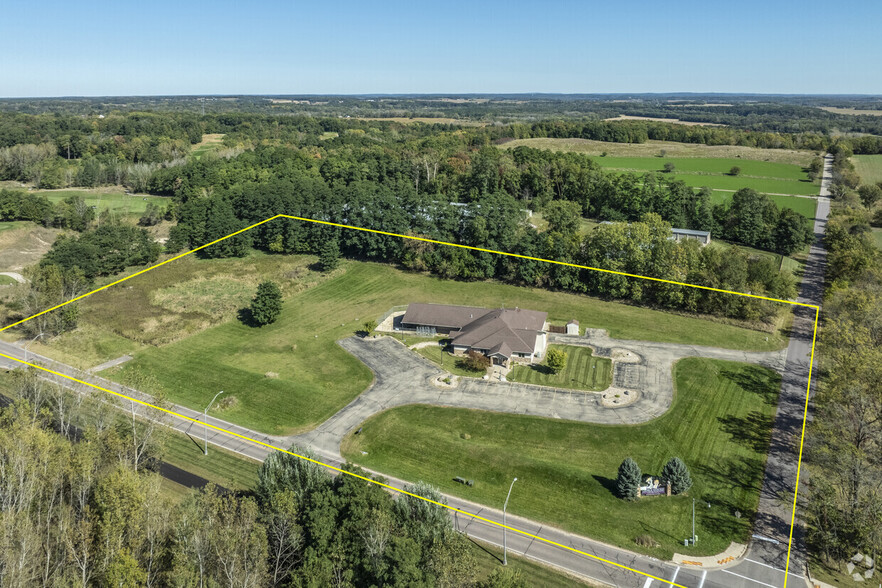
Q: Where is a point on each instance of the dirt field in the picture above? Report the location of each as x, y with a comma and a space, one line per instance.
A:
24, 245
669, 120
672, 149
835, 110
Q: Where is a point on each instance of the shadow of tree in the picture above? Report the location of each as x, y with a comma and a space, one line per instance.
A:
245, 317
608, 483
753, 431
754, 379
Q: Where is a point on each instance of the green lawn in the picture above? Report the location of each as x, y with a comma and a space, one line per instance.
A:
102, 199
877, 236
708, 166
804, 206
489, 557
448, 361
192, 354
12, 225
582, 372
719, 425
868, 167
224, 468
7, 281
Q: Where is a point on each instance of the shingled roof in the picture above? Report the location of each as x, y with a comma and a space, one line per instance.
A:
500, 331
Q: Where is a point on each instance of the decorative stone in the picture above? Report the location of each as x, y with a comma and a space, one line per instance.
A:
869, 562
858, 557
869, 573
857, 577
850, 567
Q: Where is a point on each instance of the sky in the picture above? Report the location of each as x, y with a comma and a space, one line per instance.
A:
162, 47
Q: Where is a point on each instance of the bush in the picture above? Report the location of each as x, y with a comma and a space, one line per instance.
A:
646, 541
676, 472
475, 361
628, 480
368, 326
668, 167
735, 170
556, 360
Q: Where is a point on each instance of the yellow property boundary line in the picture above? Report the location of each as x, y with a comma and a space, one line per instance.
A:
342, 471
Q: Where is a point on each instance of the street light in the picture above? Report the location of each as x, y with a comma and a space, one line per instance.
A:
205, 419
504, 545
29, 342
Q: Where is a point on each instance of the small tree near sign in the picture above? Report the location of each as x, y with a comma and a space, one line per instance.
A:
676, 472
628, 480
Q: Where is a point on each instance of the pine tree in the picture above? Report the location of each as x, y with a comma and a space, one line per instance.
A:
267, 304
628, 480
676, 472
329, 256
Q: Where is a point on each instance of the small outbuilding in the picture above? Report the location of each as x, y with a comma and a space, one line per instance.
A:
573, 327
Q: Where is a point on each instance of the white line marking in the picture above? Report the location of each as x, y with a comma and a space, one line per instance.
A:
749, 579
674, 577
647, 583
703, 576
759, 563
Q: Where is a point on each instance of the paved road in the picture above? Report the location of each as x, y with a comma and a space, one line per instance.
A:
403, 377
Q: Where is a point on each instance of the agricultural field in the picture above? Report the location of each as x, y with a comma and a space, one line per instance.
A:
675, 121
804, 206
868, 167
671, 149
582, 372
768, 177
180, 325
427, 120
719, 424
853, 111
112, 198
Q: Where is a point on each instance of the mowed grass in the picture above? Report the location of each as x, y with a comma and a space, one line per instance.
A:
315, 376
449, 362
210, 142
582, 372
719, 424
804, 206
13, 225
222, 467
671, 148
113, 199
868, 167
708, 166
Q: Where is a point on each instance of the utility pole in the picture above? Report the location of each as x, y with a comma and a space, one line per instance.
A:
205, 419
693, 521
504, 544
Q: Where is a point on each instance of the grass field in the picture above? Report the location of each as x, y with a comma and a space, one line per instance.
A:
13, 225
448, 361
582, 372
224, 468
804, 206
854, 111
427, 120
178, 342
671, 148
868, 167
877, 236
719, 424
113, 199
210, 142
7, 281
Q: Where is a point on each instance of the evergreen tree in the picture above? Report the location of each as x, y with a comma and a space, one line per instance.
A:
267, 304
628, 480
329, 256
676, 472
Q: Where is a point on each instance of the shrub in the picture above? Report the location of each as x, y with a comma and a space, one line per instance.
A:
476, 361
368, 326
628, 480
668, 167
676, 472
556, 360
735, 170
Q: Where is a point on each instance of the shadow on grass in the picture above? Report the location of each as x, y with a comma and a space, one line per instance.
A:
754, 379
752, 431
542, 369
608, 483
744, 473
245, 317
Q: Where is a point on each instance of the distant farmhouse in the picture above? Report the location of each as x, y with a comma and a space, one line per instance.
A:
502, 334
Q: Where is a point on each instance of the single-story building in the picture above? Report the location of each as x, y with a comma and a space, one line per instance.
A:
703, 237
502, 334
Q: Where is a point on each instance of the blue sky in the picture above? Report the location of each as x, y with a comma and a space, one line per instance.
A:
272, 47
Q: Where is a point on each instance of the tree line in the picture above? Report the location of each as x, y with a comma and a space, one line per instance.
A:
81, 503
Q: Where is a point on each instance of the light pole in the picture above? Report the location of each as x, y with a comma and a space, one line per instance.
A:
693, 521
29, 342
205, 419
504, 545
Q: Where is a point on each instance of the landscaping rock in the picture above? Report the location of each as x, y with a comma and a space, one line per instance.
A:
857, 557
857, 577
850, 567
869, 573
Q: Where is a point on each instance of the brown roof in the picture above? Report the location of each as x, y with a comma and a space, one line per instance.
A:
500, 331
442, 315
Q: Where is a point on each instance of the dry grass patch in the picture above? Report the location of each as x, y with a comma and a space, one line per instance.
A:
671, 148
675, 121
854, 111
